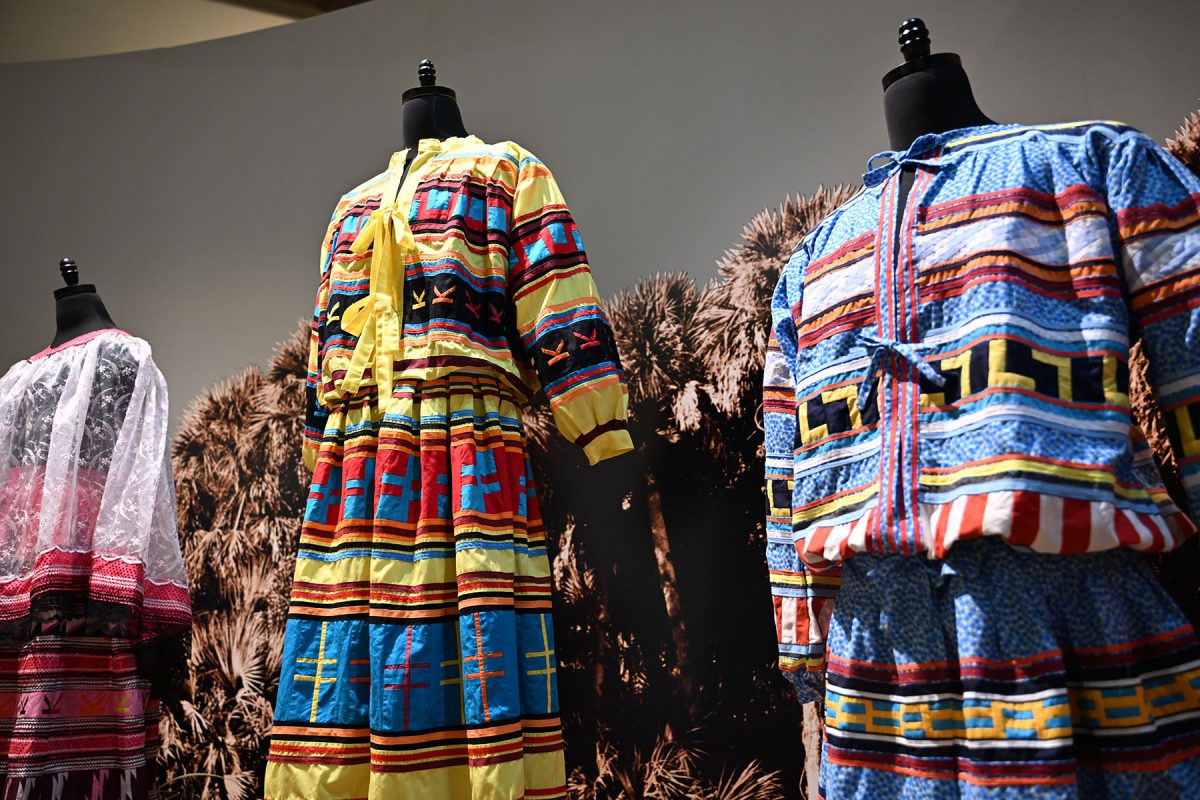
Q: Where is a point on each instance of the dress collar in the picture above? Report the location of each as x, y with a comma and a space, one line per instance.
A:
922, 151
435, 146
82, 338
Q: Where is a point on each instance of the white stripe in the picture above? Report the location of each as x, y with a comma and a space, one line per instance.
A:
817, 625
1180, 385
1084, 238
927, 514
840, 533
1134, 681
851, 369
1049, 535
998, 513
938, 336
1104, 528
1169, 537
811, 463
788, 621
935, 697
1045, 744
1145, 536
830, 288
957, 507
978, 417
1159, 255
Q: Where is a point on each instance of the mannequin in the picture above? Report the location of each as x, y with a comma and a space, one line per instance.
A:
78, 309
428, 112
925, 94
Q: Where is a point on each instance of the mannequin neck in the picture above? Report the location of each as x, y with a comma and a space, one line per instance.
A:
79, 310
430, 116
932, 100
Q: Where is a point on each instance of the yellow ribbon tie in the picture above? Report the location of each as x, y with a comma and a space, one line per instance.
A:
386, 234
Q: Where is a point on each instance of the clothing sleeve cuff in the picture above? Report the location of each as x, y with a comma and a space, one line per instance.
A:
607, 445
809, 686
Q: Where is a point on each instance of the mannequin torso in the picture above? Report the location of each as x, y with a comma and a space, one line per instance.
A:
78, 309
428, 112
928, 94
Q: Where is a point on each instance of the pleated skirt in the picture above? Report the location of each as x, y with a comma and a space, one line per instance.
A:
419, 653
997, 673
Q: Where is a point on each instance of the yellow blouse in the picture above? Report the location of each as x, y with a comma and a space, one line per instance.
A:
469, 262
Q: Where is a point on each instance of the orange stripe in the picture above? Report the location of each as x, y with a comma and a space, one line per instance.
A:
304, 730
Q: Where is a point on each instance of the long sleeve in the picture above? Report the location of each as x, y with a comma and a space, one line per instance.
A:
135, 539
563, 328
802, 598
1155, 213
315, 413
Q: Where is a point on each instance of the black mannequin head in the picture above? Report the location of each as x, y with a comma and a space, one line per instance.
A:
430, 111
927, 93
78, 309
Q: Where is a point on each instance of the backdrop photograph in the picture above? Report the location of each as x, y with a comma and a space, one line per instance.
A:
696, 148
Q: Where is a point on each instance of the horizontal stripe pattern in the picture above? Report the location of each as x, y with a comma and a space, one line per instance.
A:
958, 370
1092, 682
419, 654
481, 267
76, 719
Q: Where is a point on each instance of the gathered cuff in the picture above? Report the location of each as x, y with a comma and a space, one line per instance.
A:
606, 444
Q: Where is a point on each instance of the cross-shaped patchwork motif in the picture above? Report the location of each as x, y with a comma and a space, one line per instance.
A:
321, 661
475, 488
548, 668
324, 500
406, 669
357, 497
409, 499
482, 674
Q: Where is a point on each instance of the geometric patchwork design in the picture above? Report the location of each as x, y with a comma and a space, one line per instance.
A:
1013, 364
419, 647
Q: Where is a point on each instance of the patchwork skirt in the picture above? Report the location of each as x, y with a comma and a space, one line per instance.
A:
77, 720
997, 673
419, 652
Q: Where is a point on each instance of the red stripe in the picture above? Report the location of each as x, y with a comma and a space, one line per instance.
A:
1076, 525
1026, 515
972, 518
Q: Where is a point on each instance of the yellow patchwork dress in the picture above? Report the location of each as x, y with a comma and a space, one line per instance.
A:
419, 654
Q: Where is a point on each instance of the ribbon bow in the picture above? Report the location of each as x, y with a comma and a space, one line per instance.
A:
385, 233
909, 351
898, 158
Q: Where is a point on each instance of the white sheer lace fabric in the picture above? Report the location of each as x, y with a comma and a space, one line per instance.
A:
87, 501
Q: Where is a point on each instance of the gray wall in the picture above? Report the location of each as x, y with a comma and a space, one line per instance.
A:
193, 184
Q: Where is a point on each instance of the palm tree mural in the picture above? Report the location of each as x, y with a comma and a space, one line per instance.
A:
241, 495
662, 607
1185, 144
653, 326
